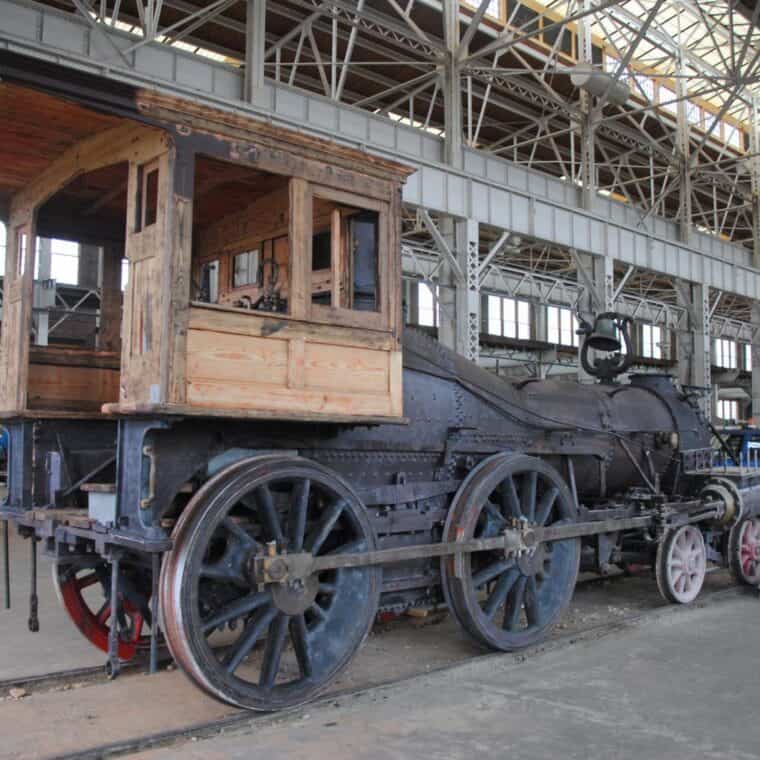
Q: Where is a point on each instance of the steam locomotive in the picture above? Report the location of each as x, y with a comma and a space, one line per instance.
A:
290, 538
254, 458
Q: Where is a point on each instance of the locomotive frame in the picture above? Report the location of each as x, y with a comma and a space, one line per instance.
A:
265, 458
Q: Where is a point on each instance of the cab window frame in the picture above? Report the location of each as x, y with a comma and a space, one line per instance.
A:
380, 318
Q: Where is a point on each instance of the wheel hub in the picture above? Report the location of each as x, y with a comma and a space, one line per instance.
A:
532, 561
295, 596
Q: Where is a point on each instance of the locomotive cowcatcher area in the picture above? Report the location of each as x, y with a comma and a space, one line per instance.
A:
257, 493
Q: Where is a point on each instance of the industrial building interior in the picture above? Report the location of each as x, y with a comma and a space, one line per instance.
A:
566, 159
518, 159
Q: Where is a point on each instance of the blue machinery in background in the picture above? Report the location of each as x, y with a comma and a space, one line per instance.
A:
744, 443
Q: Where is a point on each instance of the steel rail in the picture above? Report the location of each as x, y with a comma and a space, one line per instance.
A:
87, 674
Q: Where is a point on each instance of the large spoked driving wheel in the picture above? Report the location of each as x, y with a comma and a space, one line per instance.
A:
505, 602
257, 645
83, 585
744, 551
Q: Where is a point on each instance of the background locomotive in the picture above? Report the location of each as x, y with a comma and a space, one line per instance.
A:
262, 466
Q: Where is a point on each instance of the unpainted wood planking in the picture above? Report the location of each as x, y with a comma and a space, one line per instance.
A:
57, 387
312, 363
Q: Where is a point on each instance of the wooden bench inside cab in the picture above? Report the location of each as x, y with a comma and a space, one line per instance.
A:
269, 285
60, 345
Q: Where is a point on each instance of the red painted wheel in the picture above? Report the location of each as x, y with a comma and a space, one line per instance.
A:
744, 551
91, 610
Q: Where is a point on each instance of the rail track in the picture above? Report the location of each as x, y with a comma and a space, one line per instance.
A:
59, 678
95, 673
243, 719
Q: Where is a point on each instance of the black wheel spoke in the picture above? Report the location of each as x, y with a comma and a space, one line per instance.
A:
266, 506
300, 638
237, 530
100, 615
499, 594
495, 514
510, 503
544, 507
491, 571
251, 634
514, 605
352, 546
273, 651
237, 609
532, 610
297, 517
528, 506
317, 538
219, 571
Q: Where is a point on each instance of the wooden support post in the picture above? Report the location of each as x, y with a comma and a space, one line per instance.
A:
336, 257
17, 308
299, 226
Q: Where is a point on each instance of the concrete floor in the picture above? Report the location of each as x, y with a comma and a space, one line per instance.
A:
683, 685
58, 645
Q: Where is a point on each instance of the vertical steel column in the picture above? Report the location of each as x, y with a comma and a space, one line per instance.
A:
596, 274
701, 364
44, 255
754, 168
468, 292
587, 126
603, 269
255, 46
113, 666
34, 620
683, 132
755, 355
541, 333
452, 90
6, 565
89, 266
694, 344
685, 336
447, 289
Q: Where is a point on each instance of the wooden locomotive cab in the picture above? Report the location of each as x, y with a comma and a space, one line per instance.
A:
263, 272
263, 281
291, 311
